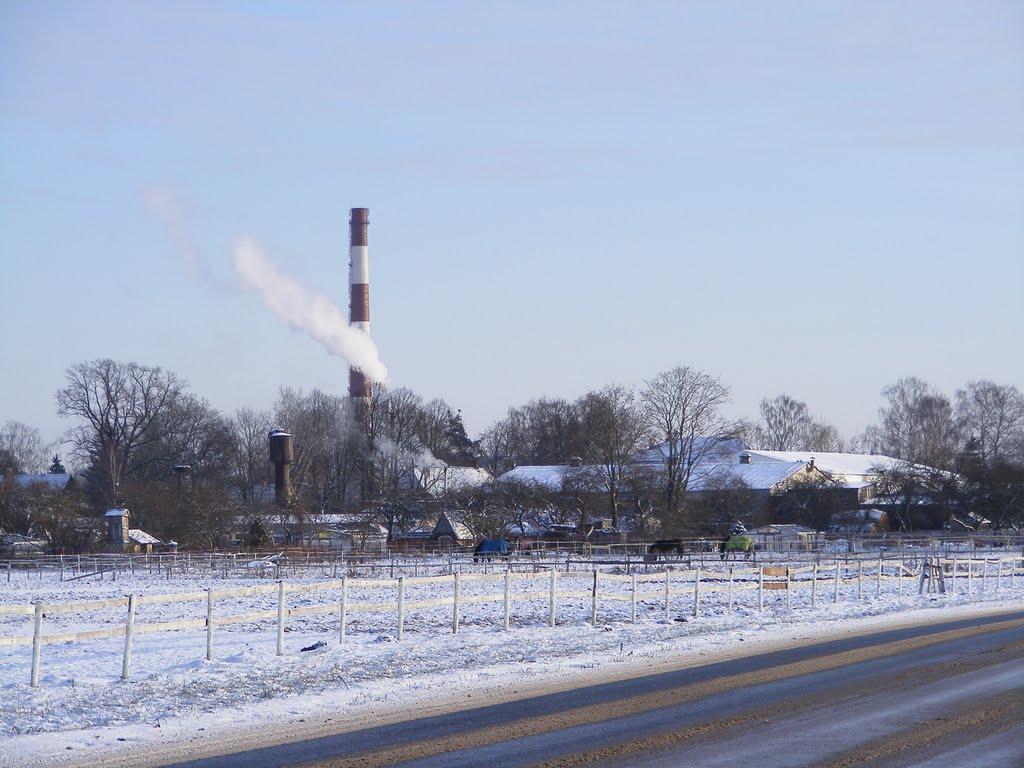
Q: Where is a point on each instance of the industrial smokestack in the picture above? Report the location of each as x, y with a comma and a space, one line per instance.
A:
282, 453
359, 292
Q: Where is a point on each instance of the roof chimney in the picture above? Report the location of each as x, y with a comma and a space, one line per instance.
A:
744, 458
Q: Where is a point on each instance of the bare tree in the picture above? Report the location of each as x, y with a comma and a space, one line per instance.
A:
497, 445
191, 434
23, 448
612, 429
119, 403
327, 442
433, 428
250, 428
785, 424
993, 416
825, 438
917, 424
543, 432
684, 408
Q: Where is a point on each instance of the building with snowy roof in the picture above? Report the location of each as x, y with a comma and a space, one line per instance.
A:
727, 478
442, 479
52, 482
123, 539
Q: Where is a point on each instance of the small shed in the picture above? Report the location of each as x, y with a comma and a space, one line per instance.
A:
140, 542
451, 532
860, 521
784, 537
122, 539
16, 544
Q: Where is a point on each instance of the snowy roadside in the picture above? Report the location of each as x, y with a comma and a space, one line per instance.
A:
83, 713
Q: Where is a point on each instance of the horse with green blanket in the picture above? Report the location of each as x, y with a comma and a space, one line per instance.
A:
736, 543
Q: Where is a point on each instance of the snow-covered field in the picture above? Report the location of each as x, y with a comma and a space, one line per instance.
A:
82, 710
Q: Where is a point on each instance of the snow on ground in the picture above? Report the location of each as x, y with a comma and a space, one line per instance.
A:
82, 710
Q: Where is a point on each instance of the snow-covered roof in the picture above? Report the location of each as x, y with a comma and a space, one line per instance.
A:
839, 465
21, 543
715, 450
443, 479
759, 477
56, 482
782, 529
554, 477
116, 513
139, 536
765, 469
460, 529
549, 477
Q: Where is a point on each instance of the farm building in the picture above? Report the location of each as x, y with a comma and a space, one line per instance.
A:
784, 538
121, 538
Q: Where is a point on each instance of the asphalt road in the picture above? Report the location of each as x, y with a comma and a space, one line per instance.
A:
943, 694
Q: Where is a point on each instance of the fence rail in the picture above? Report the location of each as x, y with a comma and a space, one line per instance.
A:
553, 585
628, 553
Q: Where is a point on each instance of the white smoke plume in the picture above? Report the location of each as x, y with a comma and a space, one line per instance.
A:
164, 205
313, 314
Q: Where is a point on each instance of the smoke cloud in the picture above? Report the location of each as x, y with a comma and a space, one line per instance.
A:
164, 205
313, 314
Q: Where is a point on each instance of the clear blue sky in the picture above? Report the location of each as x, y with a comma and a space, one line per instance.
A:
811, 198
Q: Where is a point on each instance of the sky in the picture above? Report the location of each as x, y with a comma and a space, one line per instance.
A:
809, 198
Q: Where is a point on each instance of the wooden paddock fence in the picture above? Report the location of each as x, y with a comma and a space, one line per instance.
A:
672, 589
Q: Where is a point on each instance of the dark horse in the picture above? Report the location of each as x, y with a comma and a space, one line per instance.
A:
663, 547
490, 548
737, 544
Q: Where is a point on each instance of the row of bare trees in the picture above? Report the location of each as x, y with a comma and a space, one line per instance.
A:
961, 454
140, 437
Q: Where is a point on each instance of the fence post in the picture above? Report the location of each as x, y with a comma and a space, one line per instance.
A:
343, 609
760, 588
280, 618
37, 642
209, 624
835, 594
860, 579
878, 584
730, 588
129, 628
999, 575
696, 594
984, 573
970, 575
952, 581
789, 589
668, 595
455, 607
508, 597
593, 603
551, 605
814, 583
632, 599
401, 606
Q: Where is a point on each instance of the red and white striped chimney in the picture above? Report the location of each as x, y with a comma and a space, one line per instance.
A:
359, 287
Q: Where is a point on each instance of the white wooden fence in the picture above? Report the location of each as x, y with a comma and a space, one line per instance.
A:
672, 586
